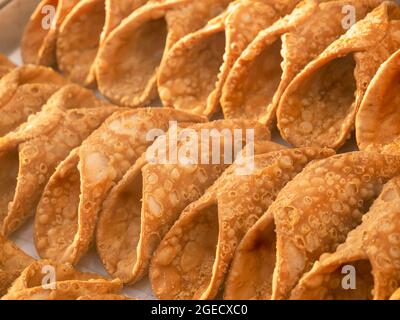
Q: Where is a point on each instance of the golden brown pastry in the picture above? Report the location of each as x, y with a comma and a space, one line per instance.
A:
262, 73
46, 272
312, 215
129, 60
38, 45
377, 122
67, 290
67, 212
371, 255
83, 32
319, 106
30, 155
193, 258
12, 262
144, 205
23, 92
194, 71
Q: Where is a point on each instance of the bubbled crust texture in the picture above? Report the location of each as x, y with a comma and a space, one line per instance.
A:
187, 265
307, 114
38, 45
141, 42
79, 40
312, 215
165, 190
378, 118
195, 69
316, 210
58, 132
67, 213
23, 92
12, 262
376, 241
32, 275
67, 290
255, 75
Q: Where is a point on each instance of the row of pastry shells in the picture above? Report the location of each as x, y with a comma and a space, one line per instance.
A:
313, 65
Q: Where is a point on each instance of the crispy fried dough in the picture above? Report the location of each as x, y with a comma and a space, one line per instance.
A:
141, 209
396, 295
195, 69
23, 92
67, 290
35, 274
265, 69
82, 33
12, 262
5, 66
67, 213
104, 297
319, 106
193, 258
128, 63
372, 249
312, 215
29, 156
378, 121
38, 45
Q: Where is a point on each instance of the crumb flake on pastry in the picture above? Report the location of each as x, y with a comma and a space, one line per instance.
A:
319, 106
30, 155
372, 250
195, 69
12, 262
312, 215
128, 62
38, 45
378, 120
144, 205
23, 92
67, 212
193, 258
265, 69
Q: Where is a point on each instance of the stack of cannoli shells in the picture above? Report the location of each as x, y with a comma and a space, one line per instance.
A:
319, 106
311, 216
142, 208
372, 249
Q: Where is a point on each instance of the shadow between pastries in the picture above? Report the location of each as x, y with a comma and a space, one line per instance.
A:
67, 212
312, 215
193, 258
261, 74
128, 62
12, 262
144, 205
84, 31
38, 44
377, 122
23, 92
30, 154
319, 106
372, 249
194, 71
